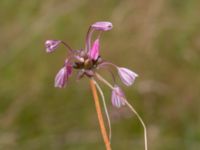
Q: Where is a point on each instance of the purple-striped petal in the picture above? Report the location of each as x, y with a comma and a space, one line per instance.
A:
102, 26
118, 97
127, 76
94, 51
62, 76
51, 45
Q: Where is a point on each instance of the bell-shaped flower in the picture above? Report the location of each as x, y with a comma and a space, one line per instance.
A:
51, 45
94, 51
118, 97
102, 26
62, 76
126, 75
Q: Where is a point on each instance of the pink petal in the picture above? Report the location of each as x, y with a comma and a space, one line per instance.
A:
94, 51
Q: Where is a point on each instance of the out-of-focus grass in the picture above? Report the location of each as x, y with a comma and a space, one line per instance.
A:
159, 39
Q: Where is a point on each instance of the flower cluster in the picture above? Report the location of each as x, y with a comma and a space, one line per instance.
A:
88, 60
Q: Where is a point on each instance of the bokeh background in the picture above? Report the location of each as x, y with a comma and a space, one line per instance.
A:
158, 39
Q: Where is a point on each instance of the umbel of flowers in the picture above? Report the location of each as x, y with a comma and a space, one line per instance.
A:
87, 62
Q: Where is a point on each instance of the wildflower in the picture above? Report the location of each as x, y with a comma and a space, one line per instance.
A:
127, 76
63, 75
60, 78
118, 97
87, 62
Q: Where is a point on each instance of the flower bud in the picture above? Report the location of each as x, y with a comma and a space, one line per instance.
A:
51, 45
102, 26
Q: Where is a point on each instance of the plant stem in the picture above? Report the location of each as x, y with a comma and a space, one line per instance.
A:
105, 108
142, 122
99, 114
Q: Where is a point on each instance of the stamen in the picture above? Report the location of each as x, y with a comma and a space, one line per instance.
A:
105, 108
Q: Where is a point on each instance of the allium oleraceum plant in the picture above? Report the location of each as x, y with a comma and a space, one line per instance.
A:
87, 62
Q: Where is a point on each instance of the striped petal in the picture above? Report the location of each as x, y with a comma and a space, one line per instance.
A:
118, 97
127, 76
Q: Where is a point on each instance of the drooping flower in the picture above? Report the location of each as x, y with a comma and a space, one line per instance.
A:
118, 97
63, 75
51, 45
126, 75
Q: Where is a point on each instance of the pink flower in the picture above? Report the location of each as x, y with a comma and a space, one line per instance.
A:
118, 97
127, 76
102, 26
62, 76
51, 45
94, 51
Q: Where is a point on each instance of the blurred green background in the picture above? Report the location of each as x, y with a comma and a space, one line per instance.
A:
158, 39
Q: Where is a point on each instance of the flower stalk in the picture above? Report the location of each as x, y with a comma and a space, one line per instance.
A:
99, 114
141, 121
